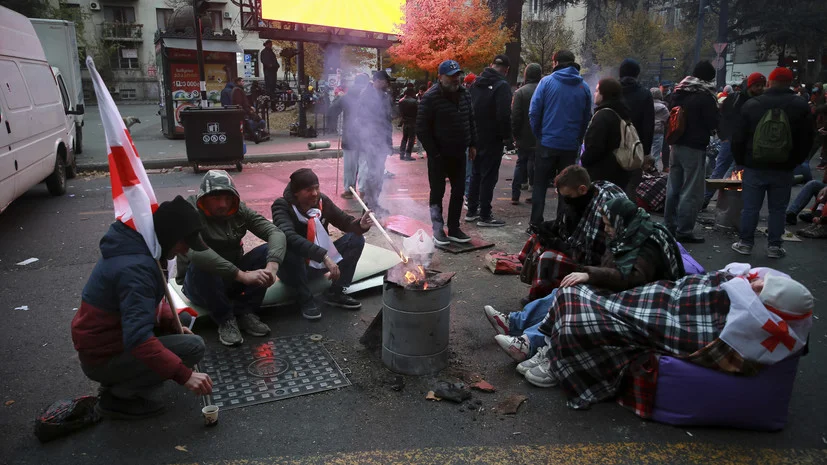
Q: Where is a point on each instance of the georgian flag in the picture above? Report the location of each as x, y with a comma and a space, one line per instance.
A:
132, 193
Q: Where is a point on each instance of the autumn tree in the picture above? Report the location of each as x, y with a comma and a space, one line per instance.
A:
544, 36
438, 30
354, 57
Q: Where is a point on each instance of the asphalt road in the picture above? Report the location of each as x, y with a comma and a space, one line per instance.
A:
368, 422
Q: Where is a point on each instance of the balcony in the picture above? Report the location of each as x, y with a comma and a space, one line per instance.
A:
122, 32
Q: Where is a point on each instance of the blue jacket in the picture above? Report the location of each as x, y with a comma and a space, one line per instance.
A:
560, 110
227, 94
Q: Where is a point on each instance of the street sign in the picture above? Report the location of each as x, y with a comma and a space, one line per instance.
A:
719, 48
718, 63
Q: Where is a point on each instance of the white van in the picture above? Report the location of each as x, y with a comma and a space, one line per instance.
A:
35, 133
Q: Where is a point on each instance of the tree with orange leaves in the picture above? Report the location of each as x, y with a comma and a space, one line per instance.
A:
438, 30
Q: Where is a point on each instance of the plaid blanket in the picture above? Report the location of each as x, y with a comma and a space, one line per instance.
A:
543, 269
651, 192
596, 335
588, 240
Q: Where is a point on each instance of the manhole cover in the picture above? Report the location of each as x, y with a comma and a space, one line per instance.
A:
270, 370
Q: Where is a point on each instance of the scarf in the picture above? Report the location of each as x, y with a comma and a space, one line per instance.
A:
634, 226
317, 234
692, 84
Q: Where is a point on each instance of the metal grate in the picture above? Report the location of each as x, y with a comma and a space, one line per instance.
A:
273, 370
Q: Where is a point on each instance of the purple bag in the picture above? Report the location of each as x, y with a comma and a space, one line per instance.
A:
689, 394
690, 264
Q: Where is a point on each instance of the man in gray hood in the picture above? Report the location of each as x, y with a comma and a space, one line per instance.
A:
524, 139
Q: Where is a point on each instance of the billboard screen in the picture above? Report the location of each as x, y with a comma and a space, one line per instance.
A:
362, 15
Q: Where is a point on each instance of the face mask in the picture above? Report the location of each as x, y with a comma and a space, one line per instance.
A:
578, 203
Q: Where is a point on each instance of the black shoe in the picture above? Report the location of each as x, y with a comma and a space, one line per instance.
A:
310, 311
706, 204
792, 220
440, 238
690, 239
515, 201
341, 300
471, 216
806, 217
490, 223
456, 235
136, 408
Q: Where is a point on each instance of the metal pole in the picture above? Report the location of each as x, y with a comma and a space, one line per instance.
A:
723, 20
699, 32
660, 69
199, 52
300, 85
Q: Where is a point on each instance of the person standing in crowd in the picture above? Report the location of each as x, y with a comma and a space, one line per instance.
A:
661, 119
469, 79
773, 136
375, 135
255, 123
271, 67
698, 113
467, 83
818, 103
491, 95
407, 109
348, 105
603, 135
641, 108
446, 127
559, 114
524, 139
730, 113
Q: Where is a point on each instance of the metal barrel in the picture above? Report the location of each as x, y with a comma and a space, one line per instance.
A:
415, 329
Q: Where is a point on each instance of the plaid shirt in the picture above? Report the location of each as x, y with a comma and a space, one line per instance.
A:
597, 335
651, 192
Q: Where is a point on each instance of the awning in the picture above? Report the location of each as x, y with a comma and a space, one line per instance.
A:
208, 45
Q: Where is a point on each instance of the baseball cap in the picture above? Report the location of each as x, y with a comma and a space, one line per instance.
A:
502, 60
449, 68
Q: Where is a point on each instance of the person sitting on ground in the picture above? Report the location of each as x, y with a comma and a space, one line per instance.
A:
575, 237
224, 280
120, 310
304, 214
603, 136
640, 251
817, 215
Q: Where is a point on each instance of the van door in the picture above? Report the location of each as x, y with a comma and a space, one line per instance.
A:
6, 158
14, 127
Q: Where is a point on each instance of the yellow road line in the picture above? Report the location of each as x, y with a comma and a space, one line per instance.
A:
576, 454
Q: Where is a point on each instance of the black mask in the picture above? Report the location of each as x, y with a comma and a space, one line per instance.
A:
578, 203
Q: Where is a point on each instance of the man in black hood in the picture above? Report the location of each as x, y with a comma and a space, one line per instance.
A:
524, 139
641, 107
491, 96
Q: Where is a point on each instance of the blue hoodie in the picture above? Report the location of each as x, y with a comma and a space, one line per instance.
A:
560, 110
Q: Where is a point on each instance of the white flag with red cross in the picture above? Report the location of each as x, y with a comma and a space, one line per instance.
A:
132, 193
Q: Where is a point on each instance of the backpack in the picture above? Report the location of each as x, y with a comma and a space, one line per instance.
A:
66, 416
629, 154
677, 125
773, 138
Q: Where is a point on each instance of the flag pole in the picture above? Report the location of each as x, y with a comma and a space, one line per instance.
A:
179, 329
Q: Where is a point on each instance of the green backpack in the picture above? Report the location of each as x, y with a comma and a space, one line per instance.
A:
773, 139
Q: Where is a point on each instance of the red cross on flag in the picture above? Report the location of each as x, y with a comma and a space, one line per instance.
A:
132, 193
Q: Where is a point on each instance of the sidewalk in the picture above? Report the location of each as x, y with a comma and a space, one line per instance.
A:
157, 151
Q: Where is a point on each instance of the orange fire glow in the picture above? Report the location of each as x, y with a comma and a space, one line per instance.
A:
410, 277
415, 275
737, 175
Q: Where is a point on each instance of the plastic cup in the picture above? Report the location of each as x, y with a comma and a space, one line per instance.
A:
210, 415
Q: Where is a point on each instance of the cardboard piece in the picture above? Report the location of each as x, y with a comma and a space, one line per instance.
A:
476, 243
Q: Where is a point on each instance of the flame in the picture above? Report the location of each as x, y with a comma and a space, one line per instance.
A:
737, 175
403, 257
416, 275
410, 277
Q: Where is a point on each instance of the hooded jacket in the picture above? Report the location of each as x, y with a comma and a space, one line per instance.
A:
491, 96
661, 116
408, 107
223, 235
374, 128
227, 94
560, 109
120, 306
641, 107
602, 139
701, 117
296, 232
731, 112
520, 126
445, 124
347, 105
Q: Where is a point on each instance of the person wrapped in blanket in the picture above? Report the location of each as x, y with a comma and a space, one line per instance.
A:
575, 237
639, 251
604, 344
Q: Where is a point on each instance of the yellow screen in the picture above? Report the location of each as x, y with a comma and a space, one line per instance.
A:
361, 15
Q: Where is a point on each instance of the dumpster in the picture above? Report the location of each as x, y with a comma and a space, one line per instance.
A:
214, 136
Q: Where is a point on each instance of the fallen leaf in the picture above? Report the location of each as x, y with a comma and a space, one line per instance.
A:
8, 402
483, 386
431, 396
181, 448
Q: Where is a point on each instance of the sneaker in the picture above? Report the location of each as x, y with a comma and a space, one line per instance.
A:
528, 200
515, 201
516, 347
341, 300
539, 358
821, 166
135, 408
776, 251
489, 222
741, 248
310, 311
792, 219
251, 324
524, 186
456, 235
470, 216
347, 195
540, 376
440, 238
498, 320
228, 333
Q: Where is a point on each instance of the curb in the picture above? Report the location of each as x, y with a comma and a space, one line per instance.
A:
262, 158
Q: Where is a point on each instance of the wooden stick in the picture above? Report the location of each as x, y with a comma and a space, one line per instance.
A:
378, 225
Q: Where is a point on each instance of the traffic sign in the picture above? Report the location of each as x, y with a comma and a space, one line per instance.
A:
719, 48
718, 63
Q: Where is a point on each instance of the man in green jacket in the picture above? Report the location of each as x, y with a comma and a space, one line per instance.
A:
223, 279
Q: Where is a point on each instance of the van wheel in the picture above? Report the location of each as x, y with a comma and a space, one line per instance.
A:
195, 168
238, 166
72, 169
56, 182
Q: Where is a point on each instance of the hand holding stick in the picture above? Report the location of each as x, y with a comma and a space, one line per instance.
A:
378, 225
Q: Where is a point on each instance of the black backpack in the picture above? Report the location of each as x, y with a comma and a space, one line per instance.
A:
66, 416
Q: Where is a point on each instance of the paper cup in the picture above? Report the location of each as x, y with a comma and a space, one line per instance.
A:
210, 415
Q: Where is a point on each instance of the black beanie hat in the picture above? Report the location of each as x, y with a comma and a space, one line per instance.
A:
629, 68
704, 71
178, 220
302, 179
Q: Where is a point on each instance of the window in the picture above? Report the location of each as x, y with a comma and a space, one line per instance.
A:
128, 93
41, 83
63, 94
124, 58
162, 16
215, 17
119, 14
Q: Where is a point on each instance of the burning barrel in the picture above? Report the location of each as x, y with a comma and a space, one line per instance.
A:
416, 320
